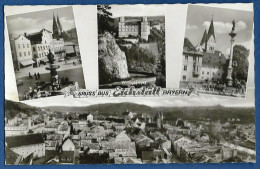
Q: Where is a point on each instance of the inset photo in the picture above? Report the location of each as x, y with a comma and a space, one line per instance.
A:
216, 51
45, 53
131, 45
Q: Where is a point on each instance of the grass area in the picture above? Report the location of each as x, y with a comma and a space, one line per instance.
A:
73, 75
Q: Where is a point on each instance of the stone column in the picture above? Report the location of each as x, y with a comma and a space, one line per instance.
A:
230, 69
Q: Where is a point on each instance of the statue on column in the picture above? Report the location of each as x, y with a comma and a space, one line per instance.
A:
50, 57
234, 26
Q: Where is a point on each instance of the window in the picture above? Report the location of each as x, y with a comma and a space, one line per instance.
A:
23, 46
194, 59
35, 55
184, 77
34, 49
186, 57
29, 53
20, 54
43, 47
27, 45
203, 72
18, 45
213, 73
218, 74
207, 73
185, 68
24, 53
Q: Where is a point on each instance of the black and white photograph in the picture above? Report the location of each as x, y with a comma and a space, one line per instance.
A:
130, 131
45, 52
215, 58
131, 45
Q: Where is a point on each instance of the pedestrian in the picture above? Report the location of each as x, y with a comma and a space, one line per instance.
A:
35, 76
38, 75
30, 76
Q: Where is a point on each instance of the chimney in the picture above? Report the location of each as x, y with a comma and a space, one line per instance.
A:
25, 34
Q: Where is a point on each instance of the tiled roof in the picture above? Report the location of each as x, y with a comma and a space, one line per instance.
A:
188, 45
213, 59
24, 140
11, 157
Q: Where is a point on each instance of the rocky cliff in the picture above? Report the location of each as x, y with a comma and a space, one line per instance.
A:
112, 61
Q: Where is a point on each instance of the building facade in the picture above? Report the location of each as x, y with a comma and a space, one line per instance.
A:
21, 52
134, 28
203, 62
26, 145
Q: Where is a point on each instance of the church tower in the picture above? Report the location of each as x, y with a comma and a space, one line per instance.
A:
121, 27
202, 47
59, 26
211, 39
145, 28
55, 28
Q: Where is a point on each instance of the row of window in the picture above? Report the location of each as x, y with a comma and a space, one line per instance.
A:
213, 73
127, 29
41, 48
24, 54
185, 78
24, 45
41, 55
194, 58
58, 42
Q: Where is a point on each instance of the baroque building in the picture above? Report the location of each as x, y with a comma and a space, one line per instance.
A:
203, 62
134, 28
21, 52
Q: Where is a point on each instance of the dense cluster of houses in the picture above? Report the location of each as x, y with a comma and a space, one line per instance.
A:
132, 138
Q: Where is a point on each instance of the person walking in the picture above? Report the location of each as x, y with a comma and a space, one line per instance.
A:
38, 75
35, 76
30, 76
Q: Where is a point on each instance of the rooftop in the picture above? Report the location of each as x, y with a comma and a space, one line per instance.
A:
24, 140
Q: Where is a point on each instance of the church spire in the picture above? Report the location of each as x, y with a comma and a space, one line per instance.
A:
59, 24
204, 38
211, 31
55, 29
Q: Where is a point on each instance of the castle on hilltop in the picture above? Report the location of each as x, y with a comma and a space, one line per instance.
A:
134, 28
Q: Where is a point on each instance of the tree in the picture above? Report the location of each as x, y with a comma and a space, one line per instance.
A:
240, 57
105, 19
240, 64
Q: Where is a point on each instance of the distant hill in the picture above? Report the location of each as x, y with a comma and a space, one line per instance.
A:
14, 108
214, 113
105, 109
246, 115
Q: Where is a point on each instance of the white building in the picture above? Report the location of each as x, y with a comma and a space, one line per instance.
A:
21, 52
27, 144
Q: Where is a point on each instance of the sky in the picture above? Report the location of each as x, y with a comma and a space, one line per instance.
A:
199, 17
137, 10
193, 100
35, 21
